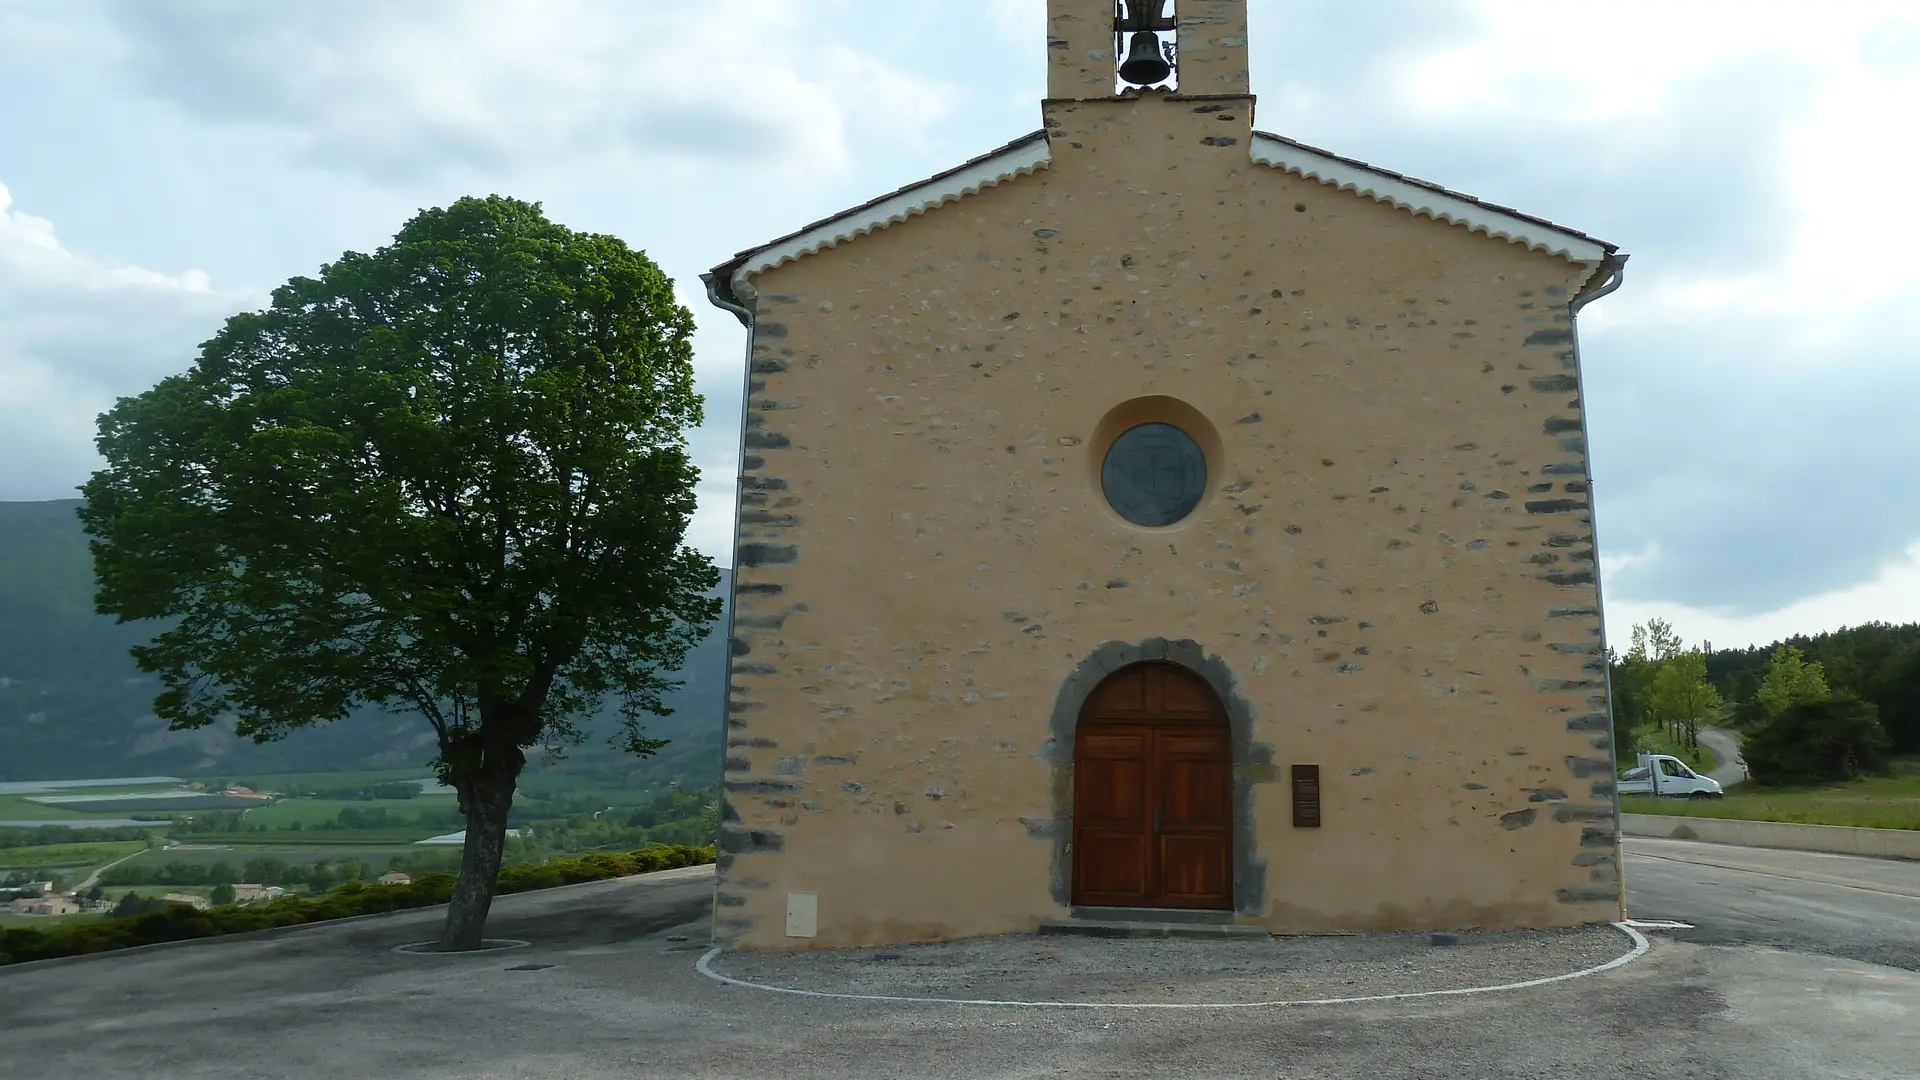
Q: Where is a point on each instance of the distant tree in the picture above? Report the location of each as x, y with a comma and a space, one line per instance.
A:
221, 873
223, 894
1631, 677
180, 872
709, 823
321, 878
1654, 642
1790, 680
265, 870
449, 477
1832, 739
1895, 688
1682, 699
134, 904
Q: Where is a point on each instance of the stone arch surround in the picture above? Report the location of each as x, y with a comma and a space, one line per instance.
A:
1252, 761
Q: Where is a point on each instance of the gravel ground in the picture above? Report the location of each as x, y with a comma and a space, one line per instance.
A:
608, 991
1182, 970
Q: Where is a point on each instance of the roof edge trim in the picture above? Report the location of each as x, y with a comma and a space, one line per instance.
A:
1421, 198
1016, 159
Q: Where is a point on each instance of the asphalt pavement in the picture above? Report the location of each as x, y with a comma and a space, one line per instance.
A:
1725, 746
1832, 905
1770, 984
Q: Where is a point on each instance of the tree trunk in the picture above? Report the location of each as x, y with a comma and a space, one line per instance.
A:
486, 802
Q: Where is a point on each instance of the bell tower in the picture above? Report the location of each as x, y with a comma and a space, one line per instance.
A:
1097, 48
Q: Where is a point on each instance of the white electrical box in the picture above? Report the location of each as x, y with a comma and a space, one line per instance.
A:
803, 914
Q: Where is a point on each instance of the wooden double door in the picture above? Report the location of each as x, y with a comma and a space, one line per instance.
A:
1152, 793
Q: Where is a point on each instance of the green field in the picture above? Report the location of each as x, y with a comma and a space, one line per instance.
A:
376, 854
318, 838
106, 789
8, 920
1876, 803
108, 806
156, 889
319, 780
67, 854
17, 808
539, 783
311, 812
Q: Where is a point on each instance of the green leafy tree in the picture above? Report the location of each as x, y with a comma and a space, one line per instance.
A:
1654, 642
1681, 697
1631, 678
1790, 679
321, 878
1825, 740
134, 904
266, 870
450, 477
1896, 690
222, 895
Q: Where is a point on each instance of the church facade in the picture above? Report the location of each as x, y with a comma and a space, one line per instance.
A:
1157, 514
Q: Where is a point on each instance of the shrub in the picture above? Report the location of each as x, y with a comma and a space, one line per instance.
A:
1813, 742
179, 922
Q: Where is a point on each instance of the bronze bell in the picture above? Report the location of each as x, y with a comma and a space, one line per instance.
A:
1144, 65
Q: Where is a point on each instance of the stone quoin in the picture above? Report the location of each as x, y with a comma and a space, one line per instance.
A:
1158, 513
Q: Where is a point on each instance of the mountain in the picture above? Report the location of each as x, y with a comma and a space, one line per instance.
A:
74, 706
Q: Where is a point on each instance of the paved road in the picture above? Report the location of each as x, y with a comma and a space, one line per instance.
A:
605, 991
1725, 746
1837, 905
87, 882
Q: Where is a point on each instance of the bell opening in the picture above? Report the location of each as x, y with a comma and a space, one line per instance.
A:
1145, 65
1148, 31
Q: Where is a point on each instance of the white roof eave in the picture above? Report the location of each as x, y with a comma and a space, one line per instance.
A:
1303, 161
1419, 199
997, 169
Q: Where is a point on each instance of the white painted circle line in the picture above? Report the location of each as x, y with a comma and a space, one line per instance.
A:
487, 945
1640, 945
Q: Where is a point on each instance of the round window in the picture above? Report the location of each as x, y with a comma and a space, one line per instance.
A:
1154, 474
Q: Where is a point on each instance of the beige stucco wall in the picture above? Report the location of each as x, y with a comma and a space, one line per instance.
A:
1394, 561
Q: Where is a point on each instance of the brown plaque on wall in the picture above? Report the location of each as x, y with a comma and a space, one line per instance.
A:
1306, 796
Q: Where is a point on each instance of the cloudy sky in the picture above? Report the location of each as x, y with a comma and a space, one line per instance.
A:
1751, 390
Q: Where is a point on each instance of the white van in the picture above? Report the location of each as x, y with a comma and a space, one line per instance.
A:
1661, 774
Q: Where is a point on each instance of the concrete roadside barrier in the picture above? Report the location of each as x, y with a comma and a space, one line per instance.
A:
1838, 839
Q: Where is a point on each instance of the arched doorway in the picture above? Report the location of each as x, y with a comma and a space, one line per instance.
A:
1152, 793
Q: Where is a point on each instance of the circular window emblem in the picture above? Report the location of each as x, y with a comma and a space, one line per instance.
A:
1154, 474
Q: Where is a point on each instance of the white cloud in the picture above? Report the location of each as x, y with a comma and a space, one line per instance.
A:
30, 249
1627, 57
1746, 386
1892, 596
400, 90
1837, 159
76, 332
